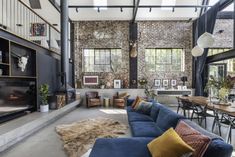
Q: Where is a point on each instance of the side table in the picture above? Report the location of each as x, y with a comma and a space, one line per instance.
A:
106, 101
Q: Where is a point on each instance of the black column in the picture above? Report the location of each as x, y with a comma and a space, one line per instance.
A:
133, 76
64, 41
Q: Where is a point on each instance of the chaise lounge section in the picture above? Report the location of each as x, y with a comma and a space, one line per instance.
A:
145, 128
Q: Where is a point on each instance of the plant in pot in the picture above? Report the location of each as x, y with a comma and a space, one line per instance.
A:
44, 92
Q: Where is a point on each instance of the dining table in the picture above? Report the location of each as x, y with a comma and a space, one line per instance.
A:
224, 109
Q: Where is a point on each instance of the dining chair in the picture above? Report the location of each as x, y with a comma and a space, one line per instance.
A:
230, 122
186, 106
202, 113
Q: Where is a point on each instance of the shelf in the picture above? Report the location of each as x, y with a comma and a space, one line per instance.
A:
4, 64
25, 77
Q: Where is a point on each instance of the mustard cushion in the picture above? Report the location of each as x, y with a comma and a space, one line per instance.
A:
137, 100
169, 144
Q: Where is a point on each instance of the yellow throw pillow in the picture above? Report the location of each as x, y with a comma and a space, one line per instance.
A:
169, 144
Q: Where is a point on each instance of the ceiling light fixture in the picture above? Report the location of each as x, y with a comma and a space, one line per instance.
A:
77, 10
121, 9
150, 10
195, 9
173, 9
98, 9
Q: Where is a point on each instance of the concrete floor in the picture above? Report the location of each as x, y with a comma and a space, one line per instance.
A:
46, 142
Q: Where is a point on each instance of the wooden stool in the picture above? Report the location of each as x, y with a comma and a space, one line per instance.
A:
120, 103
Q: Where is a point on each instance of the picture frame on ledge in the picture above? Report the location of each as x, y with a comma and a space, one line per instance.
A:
173, 83
165, 83
117, 84
90, 80
157, 83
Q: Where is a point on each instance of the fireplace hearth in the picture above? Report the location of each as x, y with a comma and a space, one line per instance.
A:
17, 97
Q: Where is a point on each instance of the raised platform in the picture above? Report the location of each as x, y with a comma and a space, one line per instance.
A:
18, 129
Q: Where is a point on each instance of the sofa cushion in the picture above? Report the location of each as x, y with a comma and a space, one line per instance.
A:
129, 102
217, 146
155, 110
135, 116
145, 129
167, 118
144, 107
194, 138
169, 144
136, 102
121, 147
129, 109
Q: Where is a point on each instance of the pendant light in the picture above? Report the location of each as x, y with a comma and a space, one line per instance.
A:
197, 51
207, 39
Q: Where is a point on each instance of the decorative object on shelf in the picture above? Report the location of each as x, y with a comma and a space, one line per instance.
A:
173, 83
184, 79
133, 52
38, 29
143, 82
117, 83
90, 80
165, 83
44, 43
60, 100
206, 40
44, 93
220, 88
197, 51
184, 87
150, 93
102, 84
157, 83
22, 62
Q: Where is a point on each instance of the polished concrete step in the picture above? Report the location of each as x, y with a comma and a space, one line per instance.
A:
18, 129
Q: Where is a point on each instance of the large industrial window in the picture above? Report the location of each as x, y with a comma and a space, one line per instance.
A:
214, 51
164, 59
101, 60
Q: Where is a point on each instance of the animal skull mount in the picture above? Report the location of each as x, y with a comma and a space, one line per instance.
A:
22, 63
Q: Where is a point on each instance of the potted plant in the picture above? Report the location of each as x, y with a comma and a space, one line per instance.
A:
44, 92
102, 83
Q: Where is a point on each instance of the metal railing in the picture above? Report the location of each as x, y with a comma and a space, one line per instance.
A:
19, 19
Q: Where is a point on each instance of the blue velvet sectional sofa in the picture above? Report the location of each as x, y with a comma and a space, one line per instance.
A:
145, 128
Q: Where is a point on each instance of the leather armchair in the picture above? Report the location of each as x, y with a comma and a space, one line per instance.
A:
93, 99
120, 100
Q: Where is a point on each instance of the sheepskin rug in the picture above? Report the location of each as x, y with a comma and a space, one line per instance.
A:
80, 136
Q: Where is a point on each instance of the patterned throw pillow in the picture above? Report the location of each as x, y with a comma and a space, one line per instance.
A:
137, 100
123, 95
192, 137
144, 107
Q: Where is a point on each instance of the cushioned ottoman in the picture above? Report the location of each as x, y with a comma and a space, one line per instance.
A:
145, 129
121, 147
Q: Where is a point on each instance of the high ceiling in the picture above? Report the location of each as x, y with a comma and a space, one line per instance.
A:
127, 14
51, 14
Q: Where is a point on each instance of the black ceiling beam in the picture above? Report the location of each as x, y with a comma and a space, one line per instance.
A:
135, 10
140, 6
203, 10
225, 15
225, 3
221, 56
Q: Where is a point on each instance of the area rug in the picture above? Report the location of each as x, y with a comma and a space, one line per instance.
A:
80, 136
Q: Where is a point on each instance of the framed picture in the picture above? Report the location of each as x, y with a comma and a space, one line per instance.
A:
157, 82
173, 83
165, 83
117, 83
38, 29
90, 80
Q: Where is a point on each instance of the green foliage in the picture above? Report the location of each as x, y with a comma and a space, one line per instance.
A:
227, 83
44, 92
